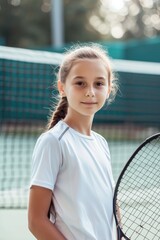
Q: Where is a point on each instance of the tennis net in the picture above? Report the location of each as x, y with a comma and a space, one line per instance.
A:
27, 95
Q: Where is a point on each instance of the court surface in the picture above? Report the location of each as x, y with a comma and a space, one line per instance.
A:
14, 225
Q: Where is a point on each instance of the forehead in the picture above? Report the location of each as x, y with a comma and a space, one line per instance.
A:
89, 66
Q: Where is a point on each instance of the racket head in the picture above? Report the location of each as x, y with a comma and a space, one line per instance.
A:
134, 192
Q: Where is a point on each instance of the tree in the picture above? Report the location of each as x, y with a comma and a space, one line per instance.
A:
128, 19
26, 23
76, 19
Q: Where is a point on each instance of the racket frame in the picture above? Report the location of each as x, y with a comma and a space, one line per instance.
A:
120, 233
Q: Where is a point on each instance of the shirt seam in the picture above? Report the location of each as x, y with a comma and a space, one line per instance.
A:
60, 137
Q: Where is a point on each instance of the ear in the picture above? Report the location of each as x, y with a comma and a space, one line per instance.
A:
60, 86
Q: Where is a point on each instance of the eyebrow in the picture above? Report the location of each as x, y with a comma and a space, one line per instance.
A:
81, 77
78, 77
101, 78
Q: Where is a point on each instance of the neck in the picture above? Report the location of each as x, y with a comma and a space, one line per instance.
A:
82, 125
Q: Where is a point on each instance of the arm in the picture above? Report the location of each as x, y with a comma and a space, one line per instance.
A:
119, 222
39, 224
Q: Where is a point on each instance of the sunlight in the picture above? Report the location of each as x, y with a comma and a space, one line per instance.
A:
15, 2
114, 4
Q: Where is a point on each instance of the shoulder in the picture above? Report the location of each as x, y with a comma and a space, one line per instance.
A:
46, 139
102, 142
99, 137
54, 134
48, 147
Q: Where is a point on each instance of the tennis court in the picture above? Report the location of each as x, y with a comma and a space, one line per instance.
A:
27, 94
14, 224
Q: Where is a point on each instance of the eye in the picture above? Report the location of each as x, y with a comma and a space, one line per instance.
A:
100, 84
80, 83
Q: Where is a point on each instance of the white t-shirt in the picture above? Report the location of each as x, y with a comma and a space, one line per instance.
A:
77, 169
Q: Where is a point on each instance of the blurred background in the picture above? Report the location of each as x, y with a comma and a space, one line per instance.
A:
46, 24
33, 37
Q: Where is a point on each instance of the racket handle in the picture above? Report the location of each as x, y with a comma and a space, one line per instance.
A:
120, 235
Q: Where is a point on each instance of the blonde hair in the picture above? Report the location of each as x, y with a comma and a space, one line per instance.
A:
93, 51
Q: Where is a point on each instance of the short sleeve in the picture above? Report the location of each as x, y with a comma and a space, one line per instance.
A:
46, 161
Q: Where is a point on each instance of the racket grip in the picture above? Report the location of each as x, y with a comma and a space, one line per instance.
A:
119, 235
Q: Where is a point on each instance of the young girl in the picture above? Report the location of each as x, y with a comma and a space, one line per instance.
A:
71, 163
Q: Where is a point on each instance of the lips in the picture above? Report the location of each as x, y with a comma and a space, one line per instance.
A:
89, 103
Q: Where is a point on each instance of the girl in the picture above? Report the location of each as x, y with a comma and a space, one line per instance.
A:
71, 163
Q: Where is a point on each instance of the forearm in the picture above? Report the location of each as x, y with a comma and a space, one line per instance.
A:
45, 230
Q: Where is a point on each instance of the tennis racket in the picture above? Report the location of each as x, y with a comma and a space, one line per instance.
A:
136, 202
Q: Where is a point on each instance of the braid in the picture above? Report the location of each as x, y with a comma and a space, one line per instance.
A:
59, 113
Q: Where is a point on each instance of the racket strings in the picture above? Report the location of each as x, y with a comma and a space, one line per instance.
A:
138, 194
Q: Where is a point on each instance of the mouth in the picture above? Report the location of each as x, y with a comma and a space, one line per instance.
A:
89, 103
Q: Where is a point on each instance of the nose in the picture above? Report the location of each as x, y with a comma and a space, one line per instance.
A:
90, 92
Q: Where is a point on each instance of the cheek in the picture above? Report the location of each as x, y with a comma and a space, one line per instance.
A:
107, 92
74, 93
104, 94
107, 95
71, 95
